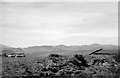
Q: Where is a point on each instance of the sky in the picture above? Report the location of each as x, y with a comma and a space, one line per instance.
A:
52, 23
59, 0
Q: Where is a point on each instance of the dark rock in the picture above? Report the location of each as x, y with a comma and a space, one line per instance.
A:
55, 55
81, 58
53, 69
78, 60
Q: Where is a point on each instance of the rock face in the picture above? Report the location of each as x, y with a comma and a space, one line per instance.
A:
76, 65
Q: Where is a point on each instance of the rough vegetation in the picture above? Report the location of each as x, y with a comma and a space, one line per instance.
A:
98, 66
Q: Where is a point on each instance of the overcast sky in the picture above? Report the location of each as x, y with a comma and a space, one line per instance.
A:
53, 23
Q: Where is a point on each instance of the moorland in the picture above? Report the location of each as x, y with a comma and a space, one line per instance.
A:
62, 61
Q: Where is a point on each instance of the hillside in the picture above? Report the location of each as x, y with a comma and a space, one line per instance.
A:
62, 60
55, 65
8, 49
61, 49
3, 47
69, 50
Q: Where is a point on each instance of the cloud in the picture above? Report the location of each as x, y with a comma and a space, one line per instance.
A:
55, 23
59, 0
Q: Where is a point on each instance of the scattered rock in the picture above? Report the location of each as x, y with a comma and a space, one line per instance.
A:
59, 65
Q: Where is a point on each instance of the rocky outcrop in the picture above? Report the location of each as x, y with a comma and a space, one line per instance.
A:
59, 65
56, 64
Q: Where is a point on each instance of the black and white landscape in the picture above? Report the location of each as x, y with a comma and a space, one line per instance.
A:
62, 61
59, 39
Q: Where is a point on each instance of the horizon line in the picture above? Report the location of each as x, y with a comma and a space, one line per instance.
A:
58, 45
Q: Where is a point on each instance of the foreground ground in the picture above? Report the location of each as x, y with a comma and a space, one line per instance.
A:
98, 66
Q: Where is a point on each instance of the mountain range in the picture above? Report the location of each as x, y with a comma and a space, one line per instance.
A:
62, 49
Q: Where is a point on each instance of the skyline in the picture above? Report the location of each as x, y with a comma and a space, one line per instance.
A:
53, 23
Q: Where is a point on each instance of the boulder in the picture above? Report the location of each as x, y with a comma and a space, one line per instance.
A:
78, 60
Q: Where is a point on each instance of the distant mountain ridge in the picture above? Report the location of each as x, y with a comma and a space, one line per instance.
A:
66, 50
83, 47
8, 49
63, 49
4, 46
